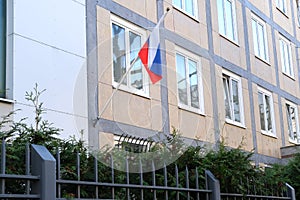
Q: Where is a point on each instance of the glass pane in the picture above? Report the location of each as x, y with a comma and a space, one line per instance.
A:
229, 20
236, 101
181, 79
261, 111
194, 84
178, 3
227, 100
282, 55
255, 37
221, 18
189, 7
119, 52
289, 121
2, 47
136, 73
268, 113
261, 42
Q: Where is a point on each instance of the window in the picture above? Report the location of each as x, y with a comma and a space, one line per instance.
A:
293, 123
188, 6
266, 112
260, 38
3, 49
298, 11
281, 5
233, 100
227, 19
126, 43
132, 143
286, 56
189, 82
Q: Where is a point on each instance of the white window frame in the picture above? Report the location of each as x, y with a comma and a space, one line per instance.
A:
256, 40
195, 6
141, 32
232, 77
269, 94
297, 141
188, 55
223, 21
286, 56
298, 11
282, 6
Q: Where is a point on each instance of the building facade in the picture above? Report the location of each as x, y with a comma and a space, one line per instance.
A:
43, 44
230, 72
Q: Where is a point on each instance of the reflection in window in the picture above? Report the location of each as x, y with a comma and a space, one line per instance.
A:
260, 38
293, 123
188, 82
266, 114
126, 45
232, 98
2, 48
189, 6
227, 19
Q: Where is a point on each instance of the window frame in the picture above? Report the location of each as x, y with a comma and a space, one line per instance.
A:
298, 12
195, 6
282, 6
256, 40
223, 22
130, 27
297, 141
287, 43
3, 66
190, 56
236, 78
272, 114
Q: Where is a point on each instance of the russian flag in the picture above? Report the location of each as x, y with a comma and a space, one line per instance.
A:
150, 54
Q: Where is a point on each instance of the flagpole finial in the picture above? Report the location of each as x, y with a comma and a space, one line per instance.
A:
168, 9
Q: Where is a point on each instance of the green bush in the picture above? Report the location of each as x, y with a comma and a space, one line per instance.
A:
233, 167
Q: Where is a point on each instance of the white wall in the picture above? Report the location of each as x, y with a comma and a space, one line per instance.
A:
49, 48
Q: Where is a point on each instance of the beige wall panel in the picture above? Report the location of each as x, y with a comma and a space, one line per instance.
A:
235, 136
172, 76
246, 103
182, 26
104, 46
285, 123
283, 20
262, 5
289, 85
236, 54
156, 116
268, 145
173, 112
206, 81
144, 8
106, 140
104, 92
132, 109
214, 16
263, 70
190, 123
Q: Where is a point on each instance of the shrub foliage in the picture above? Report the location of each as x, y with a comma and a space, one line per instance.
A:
233, 167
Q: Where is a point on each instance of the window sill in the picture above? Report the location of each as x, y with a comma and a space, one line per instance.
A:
289, 76
262, 60
131, 91
7, 100
234, 123
195, 18
190, 109
230, 40
294, 142
269, 134
285, 14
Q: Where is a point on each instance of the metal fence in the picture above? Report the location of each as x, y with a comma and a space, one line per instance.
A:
45, 178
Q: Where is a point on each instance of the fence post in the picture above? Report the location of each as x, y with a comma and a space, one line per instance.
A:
212, 184
44, 166
290, 192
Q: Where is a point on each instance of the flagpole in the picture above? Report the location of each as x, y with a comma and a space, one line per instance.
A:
123, 78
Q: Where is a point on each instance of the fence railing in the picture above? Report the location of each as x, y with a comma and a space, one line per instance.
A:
52, 178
